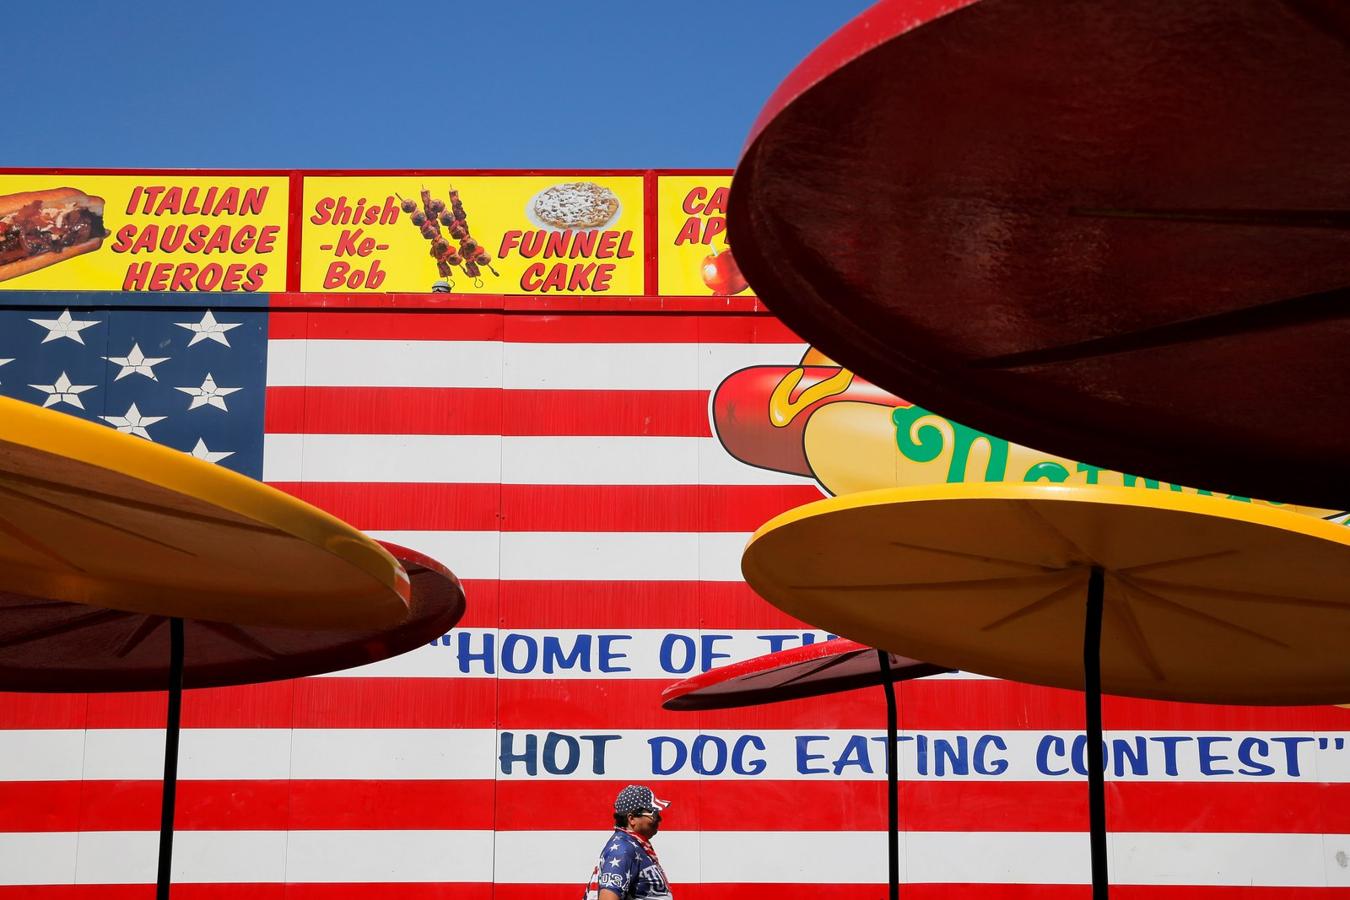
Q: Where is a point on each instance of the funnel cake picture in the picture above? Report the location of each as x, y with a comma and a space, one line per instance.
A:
576, 204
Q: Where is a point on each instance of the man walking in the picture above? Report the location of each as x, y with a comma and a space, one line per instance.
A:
628, 868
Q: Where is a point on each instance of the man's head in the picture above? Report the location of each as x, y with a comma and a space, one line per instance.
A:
638, 809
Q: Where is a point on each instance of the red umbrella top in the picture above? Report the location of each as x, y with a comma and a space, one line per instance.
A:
1118, 230
811, 671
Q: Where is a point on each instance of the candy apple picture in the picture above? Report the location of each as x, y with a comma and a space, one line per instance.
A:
721, 274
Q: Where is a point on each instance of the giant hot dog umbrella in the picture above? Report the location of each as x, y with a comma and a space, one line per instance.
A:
813, 671
1116, 230
129, 566
1144, 594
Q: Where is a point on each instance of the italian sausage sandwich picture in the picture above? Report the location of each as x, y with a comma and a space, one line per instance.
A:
42, 228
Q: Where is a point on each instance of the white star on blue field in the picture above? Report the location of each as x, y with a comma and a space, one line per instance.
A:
197, 386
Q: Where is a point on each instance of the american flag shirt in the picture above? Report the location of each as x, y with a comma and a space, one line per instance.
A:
628, 866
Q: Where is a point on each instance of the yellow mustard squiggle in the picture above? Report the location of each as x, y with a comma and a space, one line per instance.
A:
783, 409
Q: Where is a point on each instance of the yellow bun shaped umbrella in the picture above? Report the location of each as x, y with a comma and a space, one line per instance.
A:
55, 646
96, 517
1161, 595
1205, 599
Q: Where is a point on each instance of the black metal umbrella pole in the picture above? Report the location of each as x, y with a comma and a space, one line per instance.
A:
172, 728
892, 777
1096, 763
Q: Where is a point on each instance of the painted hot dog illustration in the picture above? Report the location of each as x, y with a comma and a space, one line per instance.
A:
819, 420
760, 414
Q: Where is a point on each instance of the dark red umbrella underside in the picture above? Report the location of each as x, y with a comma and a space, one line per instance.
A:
811, 671
53, 646
1118, 231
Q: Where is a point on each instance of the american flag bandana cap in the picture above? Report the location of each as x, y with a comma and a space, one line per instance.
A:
636, 798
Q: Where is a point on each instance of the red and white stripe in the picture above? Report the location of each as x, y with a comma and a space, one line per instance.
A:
563, 465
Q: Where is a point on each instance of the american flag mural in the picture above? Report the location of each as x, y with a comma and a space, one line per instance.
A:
562, 462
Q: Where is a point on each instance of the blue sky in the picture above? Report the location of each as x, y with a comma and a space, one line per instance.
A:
397, 83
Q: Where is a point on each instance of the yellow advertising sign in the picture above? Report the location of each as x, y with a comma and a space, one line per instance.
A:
691, 226
475, 234
147, 232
